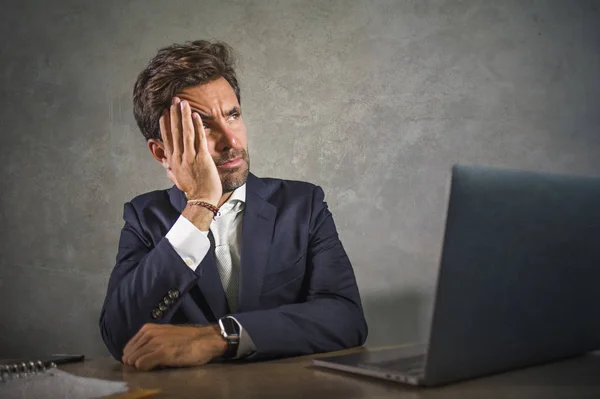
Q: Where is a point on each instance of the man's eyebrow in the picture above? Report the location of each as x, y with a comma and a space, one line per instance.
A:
235, 110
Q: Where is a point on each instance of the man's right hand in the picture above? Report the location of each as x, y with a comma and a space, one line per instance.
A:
190, 165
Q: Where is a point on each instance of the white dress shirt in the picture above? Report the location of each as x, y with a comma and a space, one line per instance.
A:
192, 245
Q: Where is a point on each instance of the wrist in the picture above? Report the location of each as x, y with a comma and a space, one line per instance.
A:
205, 204
201, 217
212, 199
219, 344
207, 343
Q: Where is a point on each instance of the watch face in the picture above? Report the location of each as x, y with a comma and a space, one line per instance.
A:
229, 327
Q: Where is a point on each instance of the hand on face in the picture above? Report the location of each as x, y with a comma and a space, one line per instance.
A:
190, 165
176, 346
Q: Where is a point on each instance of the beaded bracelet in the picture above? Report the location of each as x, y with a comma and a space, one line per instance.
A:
204, 204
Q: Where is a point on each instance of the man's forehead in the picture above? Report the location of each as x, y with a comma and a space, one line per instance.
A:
218, 90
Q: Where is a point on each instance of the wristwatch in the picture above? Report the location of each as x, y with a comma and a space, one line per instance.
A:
230, 330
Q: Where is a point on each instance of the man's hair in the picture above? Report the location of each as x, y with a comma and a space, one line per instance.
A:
173, 69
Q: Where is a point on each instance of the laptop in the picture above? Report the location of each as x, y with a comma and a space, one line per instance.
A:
518, 283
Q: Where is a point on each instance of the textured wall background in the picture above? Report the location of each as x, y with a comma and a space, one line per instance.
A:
373, 100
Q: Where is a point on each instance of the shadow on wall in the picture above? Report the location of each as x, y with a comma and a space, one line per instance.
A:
397, 317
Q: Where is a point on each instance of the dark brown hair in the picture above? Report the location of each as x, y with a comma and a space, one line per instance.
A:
173, 69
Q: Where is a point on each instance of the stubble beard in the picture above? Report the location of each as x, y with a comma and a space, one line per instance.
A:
235, 178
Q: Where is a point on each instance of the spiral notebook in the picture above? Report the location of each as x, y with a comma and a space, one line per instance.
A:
40, 378
11, 369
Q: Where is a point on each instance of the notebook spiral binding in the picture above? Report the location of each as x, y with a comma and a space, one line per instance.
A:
9, 372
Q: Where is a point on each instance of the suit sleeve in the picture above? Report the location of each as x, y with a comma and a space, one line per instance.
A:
331, 318
145, 286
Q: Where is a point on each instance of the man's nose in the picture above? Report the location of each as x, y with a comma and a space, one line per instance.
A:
227, 138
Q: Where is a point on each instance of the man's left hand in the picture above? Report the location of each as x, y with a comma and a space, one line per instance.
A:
169, 345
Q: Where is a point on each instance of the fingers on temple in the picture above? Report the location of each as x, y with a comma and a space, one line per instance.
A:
201, 138
165, 132
189, 148
176, 134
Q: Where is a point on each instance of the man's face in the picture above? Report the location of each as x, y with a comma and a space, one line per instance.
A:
221, 115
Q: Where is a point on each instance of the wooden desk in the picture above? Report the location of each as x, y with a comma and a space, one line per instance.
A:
296, 378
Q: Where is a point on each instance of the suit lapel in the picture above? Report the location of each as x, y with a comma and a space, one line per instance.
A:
209, 282
257, 232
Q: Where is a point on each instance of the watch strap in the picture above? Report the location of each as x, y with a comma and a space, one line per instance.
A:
232, 348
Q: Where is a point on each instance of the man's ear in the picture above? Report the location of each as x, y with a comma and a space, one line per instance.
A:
157, 149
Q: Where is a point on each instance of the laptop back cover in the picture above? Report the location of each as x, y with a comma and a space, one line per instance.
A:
519, 276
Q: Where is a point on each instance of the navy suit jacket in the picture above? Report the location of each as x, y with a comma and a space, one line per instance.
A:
297, 294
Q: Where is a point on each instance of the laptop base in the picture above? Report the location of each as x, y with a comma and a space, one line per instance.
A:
399, 365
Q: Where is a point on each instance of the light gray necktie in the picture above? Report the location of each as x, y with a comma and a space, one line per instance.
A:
229, 271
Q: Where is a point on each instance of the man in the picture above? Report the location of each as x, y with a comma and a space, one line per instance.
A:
224, 265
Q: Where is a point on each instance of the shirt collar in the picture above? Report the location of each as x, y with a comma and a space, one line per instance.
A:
238, 195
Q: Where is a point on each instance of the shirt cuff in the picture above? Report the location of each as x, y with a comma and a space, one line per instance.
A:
246, 346
190, 243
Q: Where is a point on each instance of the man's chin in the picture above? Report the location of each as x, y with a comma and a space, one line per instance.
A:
234, 179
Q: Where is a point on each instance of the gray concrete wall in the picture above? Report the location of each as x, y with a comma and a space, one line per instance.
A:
373, 100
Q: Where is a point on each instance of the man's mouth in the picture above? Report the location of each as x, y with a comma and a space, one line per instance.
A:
232, 163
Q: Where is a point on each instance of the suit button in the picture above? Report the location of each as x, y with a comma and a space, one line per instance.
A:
156, 313
162, 307
167, 301
173, 294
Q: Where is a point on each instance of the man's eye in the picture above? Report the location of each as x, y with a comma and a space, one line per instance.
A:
205, 126
235, 116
